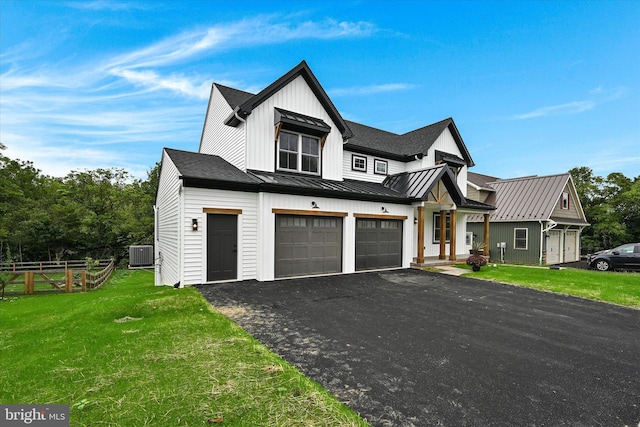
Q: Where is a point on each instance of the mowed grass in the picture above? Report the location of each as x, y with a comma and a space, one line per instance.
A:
131, 354
614, 287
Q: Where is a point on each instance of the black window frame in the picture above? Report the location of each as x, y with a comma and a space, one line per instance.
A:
355, 157
375, 166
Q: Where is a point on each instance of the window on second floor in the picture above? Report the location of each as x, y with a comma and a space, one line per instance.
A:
565, 200
358, 163
298, 153
380, 167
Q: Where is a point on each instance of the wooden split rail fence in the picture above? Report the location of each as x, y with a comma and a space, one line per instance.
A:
63, 276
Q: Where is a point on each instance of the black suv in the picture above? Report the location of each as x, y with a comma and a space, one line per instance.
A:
624, 257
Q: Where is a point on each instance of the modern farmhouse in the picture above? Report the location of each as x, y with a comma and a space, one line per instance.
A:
282, 186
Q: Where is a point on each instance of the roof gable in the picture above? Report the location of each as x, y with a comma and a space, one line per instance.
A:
418, 184
406, 146
234, 97
527, 199
480, 181
245, 108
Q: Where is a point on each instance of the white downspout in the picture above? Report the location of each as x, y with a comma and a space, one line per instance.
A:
552, 224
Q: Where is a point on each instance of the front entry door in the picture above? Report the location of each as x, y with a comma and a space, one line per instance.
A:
222, 247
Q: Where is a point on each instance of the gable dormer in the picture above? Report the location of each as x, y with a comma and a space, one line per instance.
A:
291, 126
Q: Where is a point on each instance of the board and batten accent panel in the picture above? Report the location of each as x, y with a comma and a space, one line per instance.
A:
196, 200
266, 243
393, 167
296, 97
219, 139
167, 225
572, 212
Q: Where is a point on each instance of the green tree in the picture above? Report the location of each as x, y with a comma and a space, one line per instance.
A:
611, 205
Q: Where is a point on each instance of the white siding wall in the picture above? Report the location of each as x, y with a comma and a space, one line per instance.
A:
393, 167
167, 230
296, 97
195, 242
219, 139
266, 238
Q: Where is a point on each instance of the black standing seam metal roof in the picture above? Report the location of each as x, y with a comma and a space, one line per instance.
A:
209, 171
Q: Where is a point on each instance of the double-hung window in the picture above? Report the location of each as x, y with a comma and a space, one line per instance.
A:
298, 153
521, 238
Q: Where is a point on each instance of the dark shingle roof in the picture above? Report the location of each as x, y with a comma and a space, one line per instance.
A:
361, 138
205, 167
369, 140
244, 108
234, 97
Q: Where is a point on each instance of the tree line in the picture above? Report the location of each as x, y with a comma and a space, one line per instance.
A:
91, 213
612, 207
100, 213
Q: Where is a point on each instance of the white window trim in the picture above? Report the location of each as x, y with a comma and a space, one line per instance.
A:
565, 201
526, 239
376, 162
353, 163
300, 154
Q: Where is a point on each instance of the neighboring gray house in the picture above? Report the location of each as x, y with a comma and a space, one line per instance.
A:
283, 186
538, 219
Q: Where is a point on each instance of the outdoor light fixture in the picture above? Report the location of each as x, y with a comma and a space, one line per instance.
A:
314, 205
194, 224
384, 210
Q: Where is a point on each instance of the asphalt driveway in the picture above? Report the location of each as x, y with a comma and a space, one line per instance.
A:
417, 348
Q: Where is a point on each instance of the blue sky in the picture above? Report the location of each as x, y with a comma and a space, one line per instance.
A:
534, 87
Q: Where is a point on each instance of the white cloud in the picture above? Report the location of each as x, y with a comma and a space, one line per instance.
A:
568, 108
248, 32
86, 111
599, 96
153, 81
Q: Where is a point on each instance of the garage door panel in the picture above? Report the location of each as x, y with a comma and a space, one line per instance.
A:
378, 244
307, 245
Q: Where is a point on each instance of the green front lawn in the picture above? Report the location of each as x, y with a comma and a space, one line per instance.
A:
613, 287
131, 354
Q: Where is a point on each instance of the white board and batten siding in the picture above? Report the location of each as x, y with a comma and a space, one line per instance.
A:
297, 97
266, 238
167, 229
219, 139
195, 242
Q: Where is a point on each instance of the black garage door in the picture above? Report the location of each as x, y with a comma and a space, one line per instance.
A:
378, 243
308, 245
